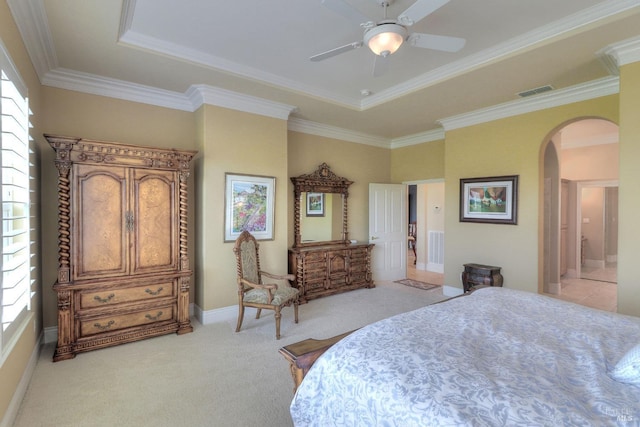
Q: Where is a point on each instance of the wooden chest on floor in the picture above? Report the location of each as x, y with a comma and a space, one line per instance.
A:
480, 275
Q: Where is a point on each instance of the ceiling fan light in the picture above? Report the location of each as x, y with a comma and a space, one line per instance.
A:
385, 39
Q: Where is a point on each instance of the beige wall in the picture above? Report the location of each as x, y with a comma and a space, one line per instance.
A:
510, 146
598, 162
629, 202
242, 143
418, 162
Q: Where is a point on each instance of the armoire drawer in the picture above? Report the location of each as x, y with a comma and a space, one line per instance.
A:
115, 322
92, 298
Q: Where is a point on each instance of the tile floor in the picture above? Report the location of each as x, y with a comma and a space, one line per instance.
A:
600, 294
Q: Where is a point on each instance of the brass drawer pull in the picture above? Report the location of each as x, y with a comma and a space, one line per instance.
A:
154, 293
156, 317
104, 300
105, 327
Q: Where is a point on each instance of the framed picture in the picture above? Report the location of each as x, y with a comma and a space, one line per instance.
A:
492, 199
249, 204
315, 204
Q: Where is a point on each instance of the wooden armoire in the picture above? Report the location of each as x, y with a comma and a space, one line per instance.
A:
123, 265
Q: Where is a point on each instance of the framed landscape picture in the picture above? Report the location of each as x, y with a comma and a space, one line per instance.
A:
315, 204
249, 205
491, 199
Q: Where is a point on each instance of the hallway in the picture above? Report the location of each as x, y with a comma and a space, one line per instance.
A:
601, 295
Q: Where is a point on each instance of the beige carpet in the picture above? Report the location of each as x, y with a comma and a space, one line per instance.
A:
211, 377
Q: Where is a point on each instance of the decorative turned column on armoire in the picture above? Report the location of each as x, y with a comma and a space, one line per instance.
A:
123, 265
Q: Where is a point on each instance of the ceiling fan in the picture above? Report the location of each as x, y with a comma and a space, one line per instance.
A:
386, 36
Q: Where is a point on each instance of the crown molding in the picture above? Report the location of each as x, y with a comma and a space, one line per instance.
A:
30, 17
624, 52
198, 95
113, 88
203, 94
582, 92
418, 138
319, 129
191, 100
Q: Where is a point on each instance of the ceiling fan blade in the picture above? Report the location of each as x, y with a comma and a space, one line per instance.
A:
380, 65
419, 10
432, 41
336, 51
346, 11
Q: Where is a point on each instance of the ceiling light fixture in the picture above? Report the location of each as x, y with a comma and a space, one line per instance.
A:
385, 39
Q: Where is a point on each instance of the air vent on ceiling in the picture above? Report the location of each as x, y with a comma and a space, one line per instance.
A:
535, 91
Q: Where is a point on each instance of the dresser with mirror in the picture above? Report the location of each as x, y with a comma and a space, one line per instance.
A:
323, 259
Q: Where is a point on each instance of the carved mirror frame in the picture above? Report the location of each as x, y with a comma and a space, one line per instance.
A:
323, 180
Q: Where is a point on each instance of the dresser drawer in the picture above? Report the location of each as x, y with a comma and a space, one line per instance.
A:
359, 277
312, 285
115, 322
359, 267
314, 256
360, 253
106, 297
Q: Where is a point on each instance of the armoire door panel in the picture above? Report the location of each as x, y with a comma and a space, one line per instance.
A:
100, 205
154, 211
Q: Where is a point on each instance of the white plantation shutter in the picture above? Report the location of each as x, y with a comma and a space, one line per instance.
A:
15, 295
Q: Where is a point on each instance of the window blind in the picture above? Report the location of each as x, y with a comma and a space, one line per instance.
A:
15, 296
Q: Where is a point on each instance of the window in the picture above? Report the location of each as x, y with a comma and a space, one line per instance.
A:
15, 295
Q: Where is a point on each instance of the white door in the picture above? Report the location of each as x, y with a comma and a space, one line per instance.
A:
388, 231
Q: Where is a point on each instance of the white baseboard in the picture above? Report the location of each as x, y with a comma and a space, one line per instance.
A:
554, 288
594, 263
436, 268
451, 291
217, 315
50, 334
14, 406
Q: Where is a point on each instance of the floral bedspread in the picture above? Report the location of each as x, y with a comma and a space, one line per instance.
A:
498, 357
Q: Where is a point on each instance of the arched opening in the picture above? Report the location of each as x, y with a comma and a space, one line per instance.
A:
579, 216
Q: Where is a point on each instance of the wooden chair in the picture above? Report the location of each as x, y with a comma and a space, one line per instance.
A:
252, 292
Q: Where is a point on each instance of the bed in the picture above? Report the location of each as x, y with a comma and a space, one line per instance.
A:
495, 357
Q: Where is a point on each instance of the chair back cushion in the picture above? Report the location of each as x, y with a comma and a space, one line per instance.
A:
249, 259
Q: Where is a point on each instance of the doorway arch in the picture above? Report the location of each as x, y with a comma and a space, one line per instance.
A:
576, 152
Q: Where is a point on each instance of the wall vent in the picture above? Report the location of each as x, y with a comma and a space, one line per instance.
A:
535, 91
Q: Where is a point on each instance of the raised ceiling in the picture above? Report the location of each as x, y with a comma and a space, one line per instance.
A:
255, 52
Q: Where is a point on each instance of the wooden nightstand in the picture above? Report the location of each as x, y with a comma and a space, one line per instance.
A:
478, 274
